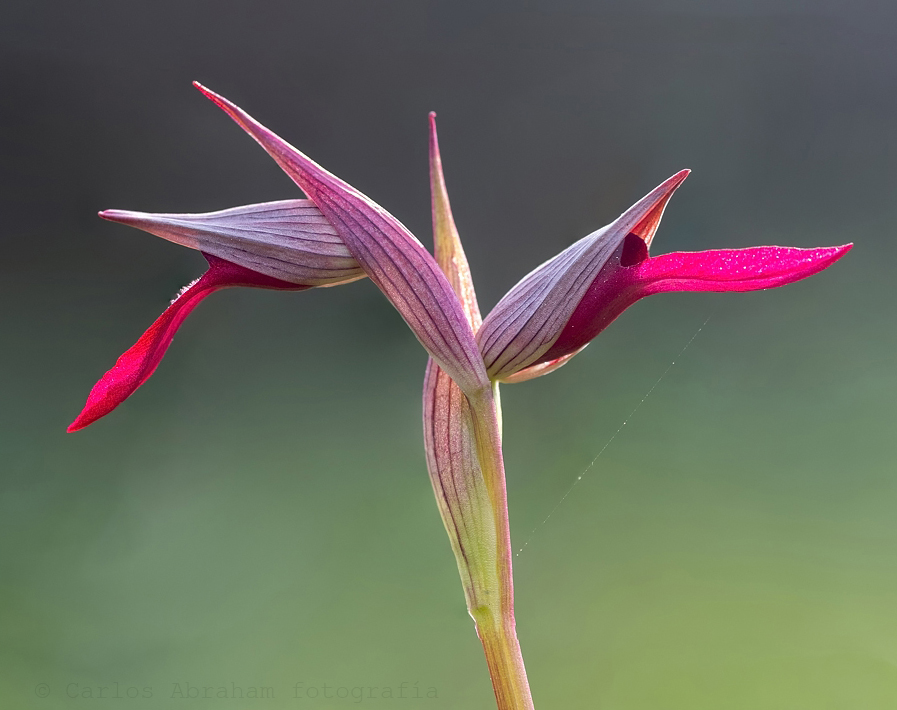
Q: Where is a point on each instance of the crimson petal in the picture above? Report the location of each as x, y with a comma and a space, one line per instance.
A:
617, 286
136, 365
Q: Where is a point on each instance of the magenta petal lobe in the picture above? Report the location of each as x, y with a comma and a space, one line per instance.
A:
138, 363
617, 287
734, 269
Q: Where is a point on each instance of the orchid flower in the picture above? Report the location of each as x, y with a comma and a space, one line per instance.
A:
339, 235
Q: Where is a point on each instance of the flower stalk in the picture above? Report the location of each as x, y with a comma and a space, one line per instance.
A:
463, 435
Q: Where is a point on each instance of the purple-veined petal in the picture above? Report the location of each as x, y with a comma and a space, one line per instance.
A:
139, 361
288, 240
618, 286
525, 323
390, 255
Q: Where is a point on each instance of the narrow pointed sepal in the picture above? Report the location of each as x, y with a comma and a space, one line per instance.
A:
289, 240
526, 322
136, 364
389, 254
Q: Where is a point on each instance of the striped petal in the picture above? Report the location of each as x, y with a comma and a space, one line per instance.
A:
288, 240
389, 254
526, 322
136, 365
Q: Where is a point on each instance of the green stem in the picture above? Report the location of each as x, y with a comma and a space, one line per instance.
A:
505, 661
495, 621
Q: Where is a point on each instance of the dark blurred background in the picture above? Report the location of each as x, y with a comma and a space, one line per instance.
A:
259, 515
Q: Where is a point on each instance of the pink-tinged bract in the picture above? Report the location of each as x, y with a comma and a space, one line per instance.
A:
462, 439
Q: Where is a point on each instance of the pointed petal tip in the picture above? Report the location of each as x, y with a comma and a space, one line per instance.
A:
434, 140
81, 421
122, 216
832, 254
103, 398
674, 181
649, 210
209, 94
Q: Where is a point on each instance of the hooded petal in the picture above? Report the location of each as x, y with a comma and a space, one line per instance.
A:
556, 310
136, 365
526, 322
288, 240
390, 255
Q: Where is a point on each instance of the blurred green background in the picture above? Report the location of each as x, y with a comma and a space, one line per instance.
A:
259, 515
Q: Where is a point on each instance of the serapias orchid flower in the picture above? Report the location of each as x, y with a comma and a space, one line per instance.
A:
339, 235
554, 311
287, 245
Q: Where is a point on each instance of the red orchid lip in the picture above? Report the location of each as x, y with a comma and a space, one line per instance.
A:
617, 286
138, 362
286, 245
